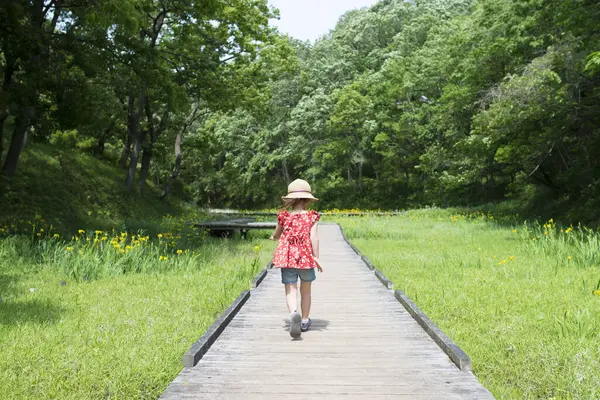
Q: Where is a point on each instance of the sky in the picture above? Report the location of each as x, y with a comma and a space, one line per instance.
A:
309, 19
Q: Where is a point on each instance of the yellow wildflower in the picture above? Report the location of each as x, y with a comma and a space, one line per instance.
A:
160, 235
569, 258
69, 249
511, 258
129, 247
56, 236
163, 258
596, 292
545, 232
179, 251
81, 231
569, 230
122, 251
42, 230
514, 231
104, 238
256, 248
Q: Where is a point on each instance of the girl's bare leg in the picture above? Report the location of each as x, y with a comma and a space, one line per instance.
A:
291, 297
305, 292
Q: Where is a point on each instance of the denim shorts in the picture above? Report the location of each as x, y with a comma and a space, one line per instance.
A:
290, 275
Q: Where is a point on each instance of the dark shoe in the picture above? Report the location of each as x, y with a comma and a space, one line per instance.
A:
295, 325
306, 325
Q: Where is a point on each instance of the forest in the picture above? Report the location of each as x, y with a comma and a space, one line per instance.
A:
402, 105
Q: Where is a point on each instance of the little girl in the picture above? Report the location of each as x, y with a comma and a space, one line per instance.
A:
297, 251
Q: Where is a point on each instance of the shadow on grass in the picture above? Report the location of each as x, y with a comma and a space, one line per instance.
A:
36, 311
13, 311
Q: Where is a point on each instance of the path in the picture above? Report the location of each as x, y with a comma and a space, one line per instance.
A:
362, 344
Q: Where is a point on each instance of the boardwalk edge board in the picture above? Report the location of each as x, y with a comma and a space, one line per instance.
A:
384, 280
199, 349
456, 354
348, 242
368, 262
259, 278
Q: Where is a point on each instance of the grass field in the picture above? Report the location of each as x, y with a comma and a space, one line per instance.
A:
522, 301
117, 333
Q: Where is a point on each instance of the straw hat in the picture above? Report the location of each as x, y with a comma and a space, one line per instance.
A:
299, 189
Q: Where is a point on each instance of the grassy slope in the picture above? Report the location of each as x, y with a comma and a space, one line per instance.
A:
509, 316
118, 336
74, 190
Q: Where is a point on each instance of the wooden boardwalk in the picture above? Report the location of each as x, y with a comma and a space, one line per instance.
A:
362, 344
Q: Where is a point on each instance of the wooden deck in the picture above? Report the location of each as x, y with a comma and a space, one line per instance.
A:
362, 344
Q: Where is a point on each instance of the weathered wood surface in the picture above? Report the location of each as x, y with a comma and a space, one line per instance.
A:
363, 344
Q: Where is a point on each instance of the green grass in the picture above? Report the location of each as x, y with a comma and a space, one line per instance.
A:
524, 310
121, 335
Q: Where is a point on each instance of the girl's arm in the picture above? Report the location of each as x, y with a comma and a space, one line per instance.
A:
278, 231
314, 240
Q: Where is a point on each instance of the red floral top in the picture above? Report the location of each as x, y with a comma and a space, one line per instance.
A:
295, 248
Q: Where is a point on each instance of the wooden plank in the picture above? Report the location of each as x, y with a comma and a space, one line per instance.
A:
198, 349
363, 344
454, 352
259, 278
384, 280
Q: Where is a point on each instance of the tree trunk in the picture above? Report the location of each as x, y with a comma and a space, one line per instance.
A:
286, 174
146, 158
360, 182
16, 145
153, 134
126, 151
133, 127
3, 118
135, 155
127, 145
177, 169
102, 140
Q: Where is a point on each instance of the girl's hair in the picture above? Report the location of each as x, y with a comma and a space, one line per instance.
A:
293, 203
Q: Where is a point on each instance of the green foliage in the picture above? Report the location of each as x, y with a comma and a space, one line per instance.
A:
436, 102
452, 103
